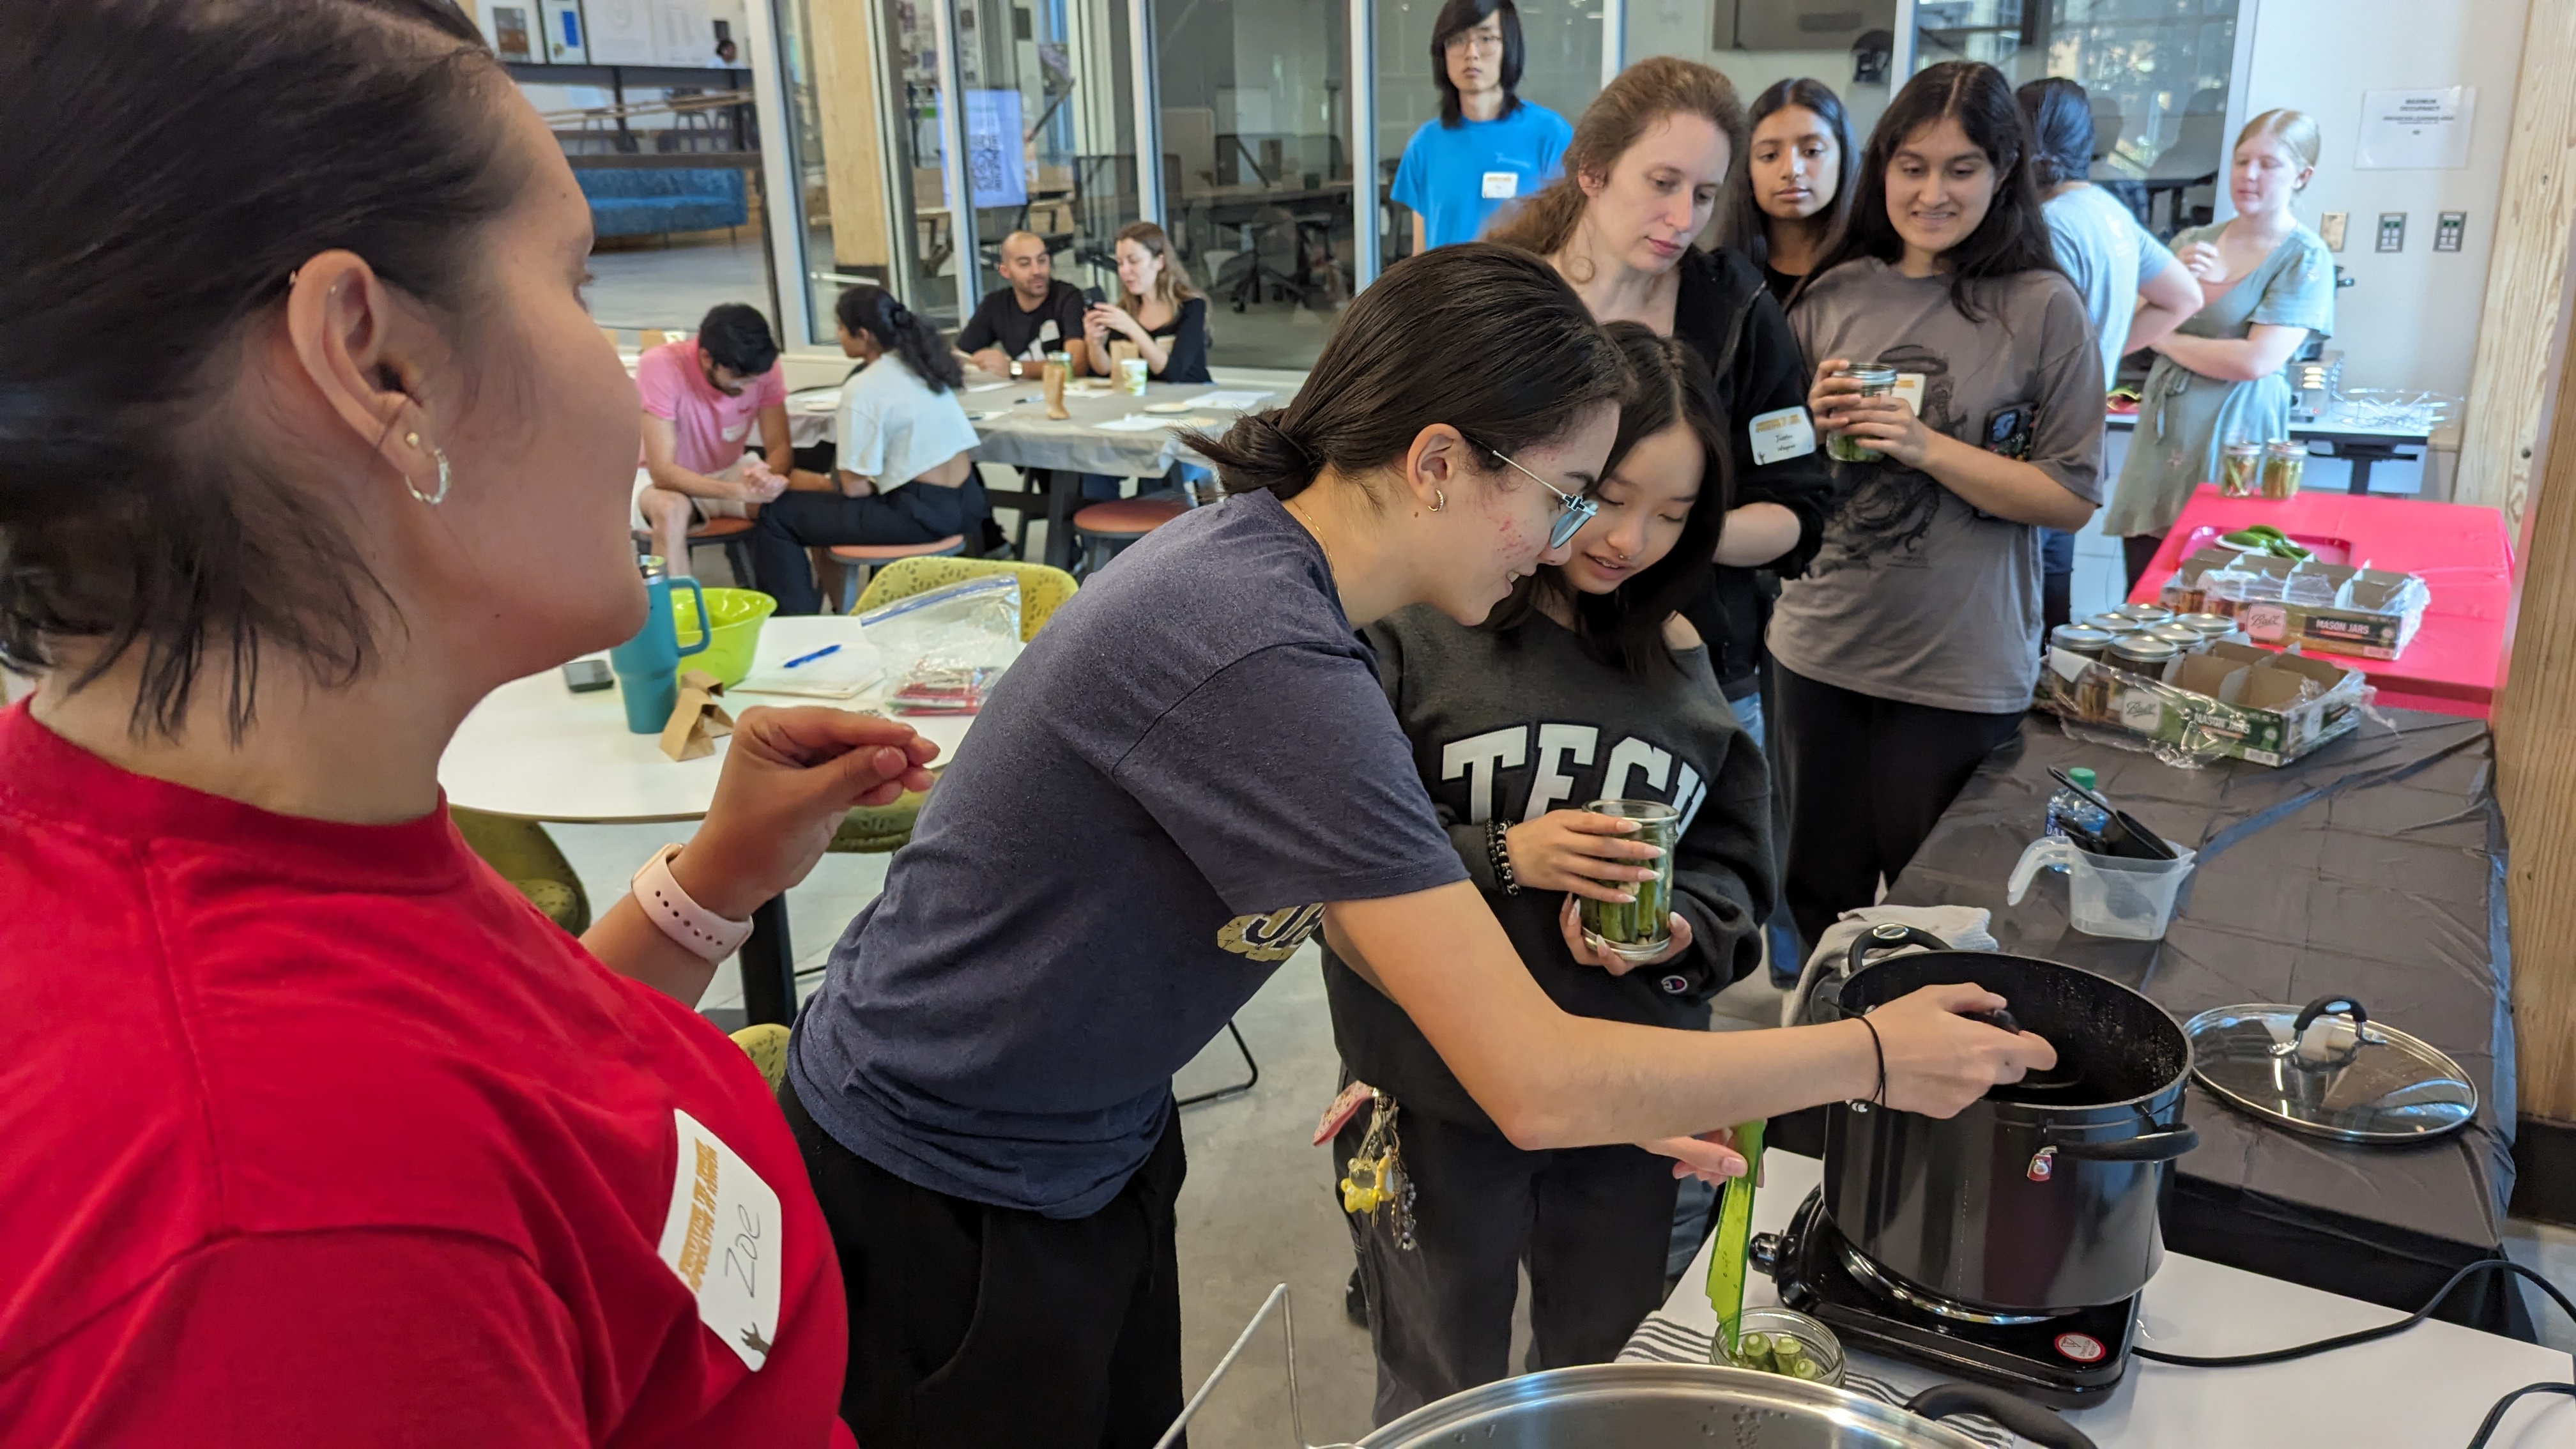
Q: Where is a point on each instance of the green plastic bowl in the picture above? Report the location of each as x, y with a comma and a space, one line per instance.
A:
738, 615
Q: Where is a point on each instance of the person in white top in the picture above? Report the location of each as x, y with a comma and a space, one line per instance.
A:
905, 464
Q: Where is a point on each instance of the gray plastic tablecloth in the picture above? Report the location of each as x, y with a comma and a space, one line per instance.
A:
1015, 430
2374, 868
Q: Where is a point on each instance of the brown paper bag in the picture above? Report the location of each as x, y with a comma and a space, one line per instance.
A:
1055, 391
697, 721
1120, 351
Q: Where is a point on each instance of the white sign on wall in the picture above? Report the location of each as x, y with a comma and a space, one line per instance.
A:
621, 32
2418, 130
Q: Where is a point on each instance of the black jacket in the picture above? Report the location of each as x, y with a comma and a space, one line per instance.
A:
1495, 716
1730, 318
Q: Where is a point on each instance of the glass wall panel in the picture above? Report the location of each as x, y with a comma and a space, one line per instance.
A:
1256, 126
1847, 44
2157, 72
1560, 69
1050, 130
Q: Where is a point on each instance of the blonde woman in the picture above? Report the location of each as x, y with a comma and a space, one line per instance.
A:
1157, 308
2269, 282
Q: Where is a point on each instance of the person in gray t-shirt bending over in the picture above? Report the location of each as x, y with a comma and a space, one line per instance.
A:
1909, 650
2134, 290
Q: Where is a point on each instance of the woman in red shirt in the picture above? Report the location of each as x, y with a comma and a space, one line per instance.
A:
318, 1134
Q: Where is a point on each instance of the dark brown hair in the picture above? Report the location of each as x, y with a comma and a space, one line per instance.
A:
1742, 223
1667, 384
1627, 108
1457, 17
1485, 338
206, 149
2012, 239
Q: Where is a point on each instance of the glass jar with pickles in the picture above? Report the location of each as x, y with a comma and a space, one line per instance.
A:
1876, 379
2240, 470
2285, 465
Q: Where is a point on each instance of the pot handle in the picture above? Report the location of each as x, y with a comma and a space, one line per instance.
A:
2147, 1147
1887, 937
2040, 1426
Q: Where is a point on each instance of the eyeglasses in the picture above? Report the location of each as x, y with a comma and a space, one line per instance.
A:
1574, 509
1473, 40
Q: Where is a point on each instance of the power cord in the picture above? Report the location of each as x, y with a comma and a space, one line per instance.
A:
2495, 1415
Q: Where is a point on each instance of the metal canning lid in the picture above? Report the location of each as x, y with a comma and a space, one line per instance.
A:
2243, 450
2346, 1077
2144, 648
2209, 625
2178, 634
2114, 624
2081, 639
2144, 613
1871, 374
2285, 448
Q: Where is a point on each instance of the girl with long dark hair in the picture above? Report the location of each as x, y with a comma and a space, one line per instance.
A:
1590, 676
904, 462
1790, 197
1910, 648
1190, 772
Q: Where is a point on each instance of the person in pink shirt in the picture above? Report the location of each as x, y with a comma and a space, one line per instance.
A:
702, 398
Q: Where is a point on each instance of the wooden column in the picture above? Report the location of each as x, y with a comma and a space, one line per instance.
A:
2519, 330
845, 95
2535, 725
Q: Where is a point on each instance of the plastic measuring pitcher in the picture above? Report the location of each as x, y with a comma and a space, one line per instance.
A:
2108, 895
648, 665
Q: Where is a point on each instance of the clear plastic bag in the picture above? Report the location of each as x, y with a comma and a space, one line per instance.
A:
944, 649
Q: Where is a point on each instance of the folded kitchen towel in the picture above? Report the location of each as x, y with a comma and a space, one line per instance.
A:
1964, 927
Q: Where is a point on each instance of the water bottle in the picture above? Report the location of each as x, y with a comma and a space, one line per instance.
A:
648, 665
2066, 808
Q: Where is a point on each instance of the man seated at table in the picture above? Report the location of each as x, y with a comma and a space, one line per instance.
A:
1017, 326
702, 397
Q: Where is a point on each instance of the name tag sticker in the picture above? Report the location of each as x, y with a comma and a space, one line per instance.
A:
1780, 436
734, 434
1502, 185
723, 1239
1909, 386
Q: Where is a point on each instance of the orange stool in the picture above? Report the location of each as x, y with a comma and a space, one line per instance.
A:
1105, 528
733, 533
858, 560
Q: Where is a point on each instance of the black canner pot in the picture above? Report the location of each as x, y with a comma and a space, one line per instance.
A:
2040, 1198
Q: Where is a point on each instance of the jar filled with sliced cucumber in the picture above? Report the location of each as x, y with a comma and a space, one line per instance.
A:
1778, 1341
1638, 929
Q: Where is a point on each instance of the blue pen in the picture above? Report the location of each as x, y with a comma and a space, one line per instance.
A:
810, 658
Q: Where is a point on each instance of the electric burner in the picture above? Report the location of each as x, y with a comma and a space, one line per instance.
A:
2066, 1361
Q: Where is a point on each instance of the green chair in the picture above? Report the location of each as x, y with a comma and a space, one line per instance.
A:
526, 857
883, 829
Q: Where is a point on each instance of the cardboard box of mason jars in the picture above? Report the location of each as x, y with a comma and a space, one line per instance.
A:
2374, 613
2225, 699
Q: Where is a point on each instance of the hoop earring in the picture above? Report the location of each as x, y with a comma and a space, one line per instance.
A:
1443, 500
432, 499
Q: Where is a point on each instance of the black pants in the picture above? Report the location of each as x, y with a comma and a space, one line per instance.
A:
2139, 551
974, 1326
2056, 581
1867, 778
1591, 1222
801, 518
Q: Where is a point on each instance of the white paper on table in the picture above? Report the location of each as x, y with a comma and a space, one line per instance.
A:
1140, 423
1233, 400
842, 675
820, 405
988, 386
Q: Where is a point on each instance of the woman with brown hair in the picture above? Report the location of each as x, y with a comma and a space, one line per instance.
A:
1643, 174
1157, 308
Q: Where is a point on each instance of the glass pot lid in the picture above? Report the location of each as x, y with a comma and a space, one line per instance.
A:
2328, 1070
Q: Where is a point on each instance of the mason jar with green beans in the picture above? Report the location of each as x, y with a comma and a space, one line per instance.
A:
1876, 379
1638, 929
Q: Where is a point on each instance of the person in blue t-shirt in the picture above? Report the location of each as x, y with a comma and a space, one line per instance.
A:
1489, 146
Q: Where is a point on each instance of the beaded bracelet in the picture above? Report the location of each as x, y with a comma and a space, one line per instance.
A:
1501, 856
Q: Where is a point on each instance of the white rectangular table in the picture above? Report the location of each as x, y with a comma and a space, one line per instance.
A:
2427, 1388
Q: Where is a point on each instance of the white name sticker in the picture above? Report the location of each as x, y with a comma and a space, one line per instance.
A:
734, 434
1502, 185
1781, 435
724, 1238
1909, 386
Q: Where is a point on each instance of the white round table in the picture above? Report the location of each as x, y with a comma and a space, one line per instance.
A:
535, 750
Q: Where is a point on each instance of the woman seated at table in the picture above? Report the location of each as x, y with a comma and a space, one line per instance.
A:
1594, 652
1157, 309
906, 463
341, 1142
